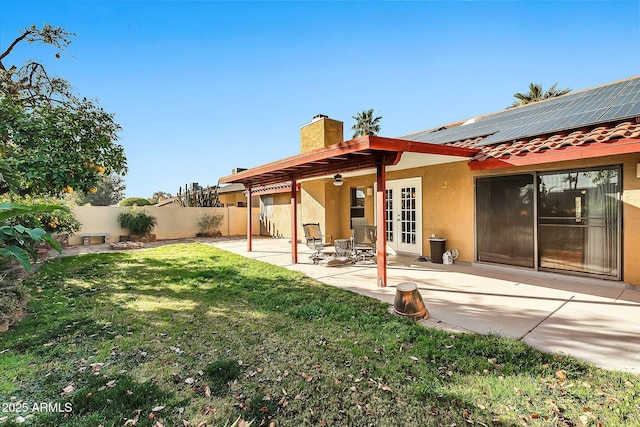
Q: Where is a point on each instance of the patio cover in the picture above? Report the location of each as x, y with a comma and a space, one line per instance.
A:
368, 152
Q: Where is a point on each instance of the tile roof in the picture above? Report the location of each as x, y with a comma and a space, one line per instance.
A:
599, 116
606, 133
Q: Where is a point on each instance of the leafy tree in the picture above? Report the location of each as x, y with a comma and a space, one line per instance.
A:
366, 124
54, 141
537, 94
108, 192
60, 222
139, 201
155, 198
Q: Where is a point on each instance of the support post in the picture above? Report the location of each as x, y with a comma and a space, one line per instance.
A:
381, 225
294, 222
249, 220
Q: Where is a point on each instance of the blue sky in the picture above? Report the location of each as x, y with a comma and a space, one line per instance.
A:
201, 87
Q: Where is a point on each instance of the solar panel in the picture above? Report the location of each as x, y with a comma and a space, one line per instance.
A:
606, 103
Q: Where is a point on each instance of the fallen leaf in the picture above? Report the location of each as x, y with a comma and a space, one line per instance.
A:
69, 389
583, 420
561, 374
111, 384
384, 387
306, 376
189, 380
157, 408
415, 359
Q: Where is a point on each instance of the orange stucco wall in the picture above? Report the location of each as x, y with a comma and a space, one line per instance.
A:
448, 199
278, 224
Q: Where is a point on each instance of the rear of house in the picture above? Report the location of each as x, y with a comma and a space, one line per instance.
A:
555, 187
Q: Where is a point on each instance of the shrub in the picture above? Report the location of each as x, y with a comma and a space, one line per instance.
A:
209, 224
58, 222
133, 201
19, 242
139, 223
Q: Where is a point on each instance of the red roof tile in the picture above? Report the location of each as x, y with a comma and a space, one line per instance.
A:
609, 133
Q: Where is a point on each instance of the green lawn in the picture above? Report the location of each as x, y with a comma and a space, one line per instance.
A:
192, 335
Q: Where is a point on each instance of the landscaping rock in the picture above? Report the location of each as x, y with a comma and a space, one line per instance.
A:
126, 245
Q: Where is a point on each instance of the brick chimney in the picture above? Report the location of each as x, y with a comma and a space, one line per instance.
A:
321, 132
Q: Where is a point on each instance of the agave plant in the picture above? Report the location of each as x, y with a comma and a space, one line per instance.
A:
18, 242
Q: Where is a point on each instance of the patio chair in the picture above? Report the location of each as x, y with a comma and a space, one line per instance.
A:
314, 241
364, 240
355, 222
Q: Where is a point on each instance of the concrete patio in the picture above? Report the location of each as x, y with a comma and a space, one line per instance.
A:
592, 320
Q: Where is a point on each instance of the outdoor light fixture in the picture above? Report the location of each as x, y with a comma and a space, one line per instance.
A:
337, 180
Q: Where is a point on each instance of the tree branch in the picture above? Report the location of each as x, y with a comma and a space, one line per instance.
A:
10, 48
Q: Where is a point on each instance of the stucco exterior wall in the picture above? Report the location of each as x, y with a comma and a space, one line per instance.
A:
630, 202
232, 199
448, 205
279, 224
172, 223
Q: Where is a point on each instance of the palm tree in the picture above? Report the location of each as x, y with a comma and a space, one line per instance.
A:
366, 124
537, 94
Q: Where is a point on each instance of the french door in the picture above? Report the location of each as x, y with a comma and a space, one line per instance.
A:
403, 204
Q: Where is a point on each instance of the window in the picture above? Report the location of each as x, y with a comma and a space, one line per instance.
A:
357, 203
568, 221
